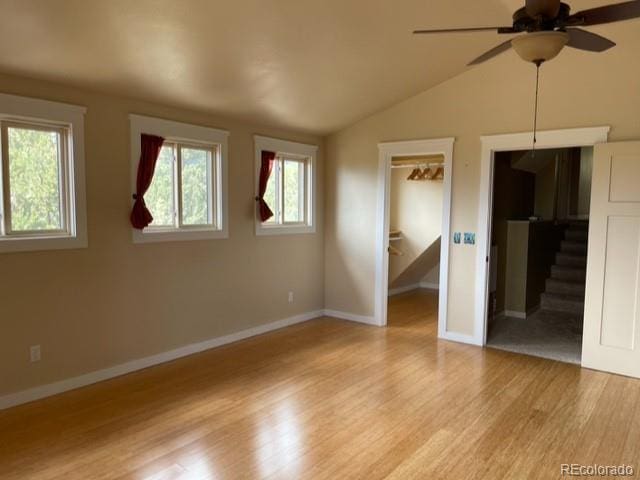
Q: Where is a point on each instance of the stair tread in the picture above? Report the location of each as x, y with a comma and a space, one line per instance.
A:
565, 281
565, 288
568, 267
572, 254
573, 243
564, 296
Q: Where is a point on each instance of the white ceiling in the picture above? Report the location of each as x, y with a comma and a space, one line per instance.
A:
310, 65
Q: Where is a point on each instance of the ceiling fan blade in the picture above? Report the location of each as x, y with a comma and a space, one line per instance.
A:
467, 30
503, 47
583, 40
606, 14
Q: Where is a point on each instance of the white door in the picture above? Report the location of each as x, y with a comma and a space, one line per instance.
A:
612, 304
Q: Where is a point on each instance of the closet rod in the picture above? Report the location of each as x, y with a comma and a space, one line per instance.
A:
418, 165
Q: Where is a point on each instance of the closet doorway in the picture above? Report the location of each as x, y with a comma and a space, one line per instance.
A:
415, 230
410, 226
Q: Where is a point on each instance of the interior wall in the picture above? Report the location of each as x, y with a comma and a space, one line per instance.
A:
513, 199
494, 98
432, 278
586, 169
545, 196
116, 301
514, 278
415, 208
563, 201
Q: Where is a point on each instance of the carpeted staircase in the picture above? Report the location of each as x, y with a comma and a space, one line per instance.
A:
565, 288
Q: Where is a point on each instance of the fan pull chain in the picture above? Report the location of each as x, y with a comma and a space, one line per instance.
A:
535, 115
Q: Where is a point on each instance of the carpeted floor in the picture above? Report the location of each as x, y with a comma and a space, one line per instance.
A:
545, 334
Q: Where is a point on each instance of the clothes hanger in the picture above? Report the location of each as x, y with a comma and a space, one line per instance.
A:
414, 174
424, 171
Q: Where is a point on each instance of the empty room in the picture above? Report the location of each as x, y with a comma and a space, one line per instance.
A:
278, 239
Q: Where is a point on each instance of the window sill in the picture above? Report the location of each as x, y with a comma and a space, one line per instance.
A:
178, 235
34, 244
262, 230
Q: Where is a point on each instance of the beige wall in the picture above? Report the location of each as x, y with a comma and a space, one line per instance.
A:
433, 277
513, 199
545, 197
584, 189
515, 295
416, 209
578, 89
116, 301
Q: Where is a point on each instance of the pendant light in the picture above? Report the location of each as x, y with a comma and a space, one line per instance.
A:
537, 48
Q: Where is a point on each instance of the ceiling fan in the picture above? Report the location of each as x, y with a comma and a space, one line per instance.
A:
549, 26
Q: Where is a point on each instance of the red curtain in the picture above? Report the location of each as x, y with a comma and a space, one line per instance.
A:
265, 172
140, 216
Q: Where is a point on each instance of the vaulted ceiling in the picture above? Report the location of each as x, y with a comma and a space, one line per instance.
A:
310, 65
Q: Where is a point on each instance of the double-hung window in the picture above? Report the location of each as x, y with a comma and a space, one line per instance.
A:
290, 192
187, 195
182, 193
41, 179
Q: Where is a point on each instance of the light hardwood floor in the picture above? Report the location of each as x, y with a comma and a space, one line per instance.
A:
332, 400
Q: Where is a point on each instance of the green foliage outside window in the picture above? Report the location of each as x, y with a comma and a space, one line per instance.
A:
160, 198
287, 203
292, 175
34, 179
195, 192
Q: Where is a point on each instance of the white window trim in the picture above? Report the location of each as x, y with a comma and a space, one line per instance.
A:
62, 115
284, 147
182, 132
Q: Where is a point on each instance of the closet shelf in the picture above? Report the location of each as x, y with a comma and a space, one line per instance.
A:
395, 235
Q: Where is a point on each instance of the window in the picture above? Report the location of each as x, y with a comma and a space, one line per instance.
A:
290, 189
41, 182
187, 196
180, 195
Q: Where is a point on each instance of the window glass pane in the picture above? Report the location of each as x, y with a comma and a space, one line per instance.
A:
293, 174
270, 194
195, 186
34, 179
160, 197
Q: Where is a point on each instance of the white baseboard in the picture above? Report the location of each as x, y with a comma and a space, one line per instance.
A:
352, 317
415, 286
460, 338
48, 390
429, 286
406, 288
521, 315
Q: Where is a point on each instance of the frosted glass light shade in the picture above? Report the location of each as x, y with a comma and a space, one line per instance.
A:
540, 46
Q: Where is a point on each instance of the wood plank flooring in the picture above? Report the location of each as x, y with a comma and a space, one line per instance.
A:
330, 399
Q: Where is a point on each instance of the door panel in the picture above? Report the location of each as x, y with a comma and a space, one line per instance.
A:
612, 304
624, 180
619, 310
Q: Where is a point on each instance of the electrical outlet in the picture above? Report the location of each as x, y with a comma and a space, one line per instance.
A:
34, 352
290, 297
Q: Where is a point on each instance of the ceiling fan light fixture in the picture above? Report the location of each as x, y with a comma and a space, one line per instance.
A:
540, 47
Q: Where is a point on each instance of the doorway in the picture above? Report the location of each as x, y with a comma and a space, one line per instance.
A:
418, 152
491, 147
415, 219
539, 235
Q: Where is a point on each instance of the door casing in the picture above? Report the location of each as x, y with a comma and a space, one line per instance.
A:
568, 138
